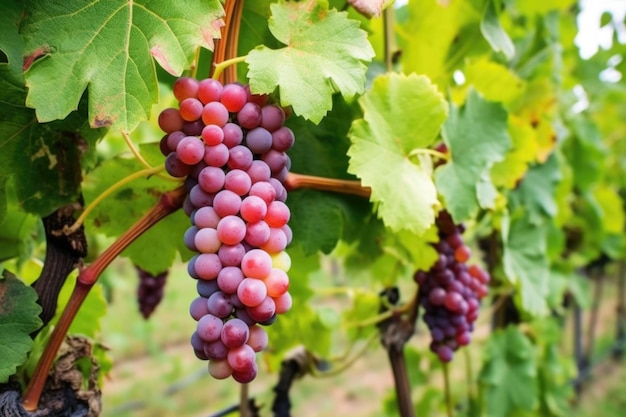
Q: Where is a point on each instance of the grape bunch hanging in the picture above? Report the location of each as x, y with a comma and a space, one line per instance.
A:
451, 291
230, 145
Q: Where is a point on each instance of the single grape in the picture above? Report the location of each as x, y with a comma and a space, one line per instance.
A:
242, 358
209, 90
216, 155
240, 157
211, 179
257, 234
209, 328
198, 308
207, 265
220, 369
185, 87
206, 240
272, 117
219, 305
249, 116
231, 255
175, 167
233, 135
251, 292
231, 230
253, 209
226, 203
238, 181
256, 263
191, 109
190, 150
257, 339
234, 97
259, 140
212, 135
277, 282
170, 120
229, 279
235, 333
214, 113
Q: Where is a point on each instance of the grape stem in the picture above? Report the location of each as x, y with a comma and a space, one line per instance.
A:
220, 67
141, 159
428, 151
447, 391
167, 204
243, 401
353, 187
68, 230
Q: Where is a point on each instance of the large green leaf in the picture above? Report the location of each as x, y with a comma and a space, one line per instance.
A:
115, 214
509, 373
493, 32
107, 47
19, 316
402, 114
477, 137
324, 54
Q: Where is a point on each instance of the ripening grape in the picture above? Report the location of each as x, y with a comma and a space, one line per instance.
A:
230, 145
450, 291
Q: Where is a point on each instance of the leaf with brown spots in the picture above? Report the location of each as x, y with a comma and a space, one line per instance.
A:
19, 316
107, 47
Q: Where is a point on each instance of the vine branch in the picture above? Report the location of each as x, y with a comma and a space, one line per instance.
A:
297, 181
167, 204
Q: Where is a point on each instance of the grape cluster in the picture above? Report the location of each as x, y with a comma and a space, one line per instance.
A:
451, 291
231, 146
149, 291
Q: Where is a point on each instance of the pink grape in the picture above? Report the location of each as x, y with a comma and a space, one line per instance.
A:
257, 234
277, 241
219, 305
209, 328
237, 181
191, 109
234, 333
277, 214
249, 116
258, 339
198, 308
256, 263
220, 369
264, 190
175, 167
272, 117
247, 375
216, 155
215, 349
264, 311
212, 135
205, 217
185, 87
282, 139
231, 255
251, 292
226, 203
259, 140
207, 265
231, 230
277, 283
209, 90
206, 240
253, 209
259, 171
211, 179
214, 113
283, 303
240, 157
241, 358
233, 97
229, 279
190, 150
233, 135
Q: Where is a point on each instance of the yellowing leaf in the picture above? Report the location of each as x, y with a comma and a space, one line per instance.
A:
511, 169
612, 206
401, 114
494, 81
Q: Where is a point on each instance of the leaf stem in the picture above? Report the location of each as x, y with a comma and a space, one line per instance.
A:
447, 390
428, 151
388, 21
220, 67
167, 204
295, 181
141, 159
81, 219
230, 75
348, 363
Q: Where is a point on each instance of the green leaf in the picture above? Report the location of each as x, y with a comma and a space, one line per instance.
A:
526, 263
512, 168
19, 316
586, 153
324, 54
107, 48
402, 113
116, 213
494, 34
509, 374
477, 137
494, 81
537, 190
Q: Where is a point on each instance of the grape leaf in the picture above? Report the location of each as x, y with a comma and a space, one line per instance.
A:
493, 32
537, 190
586, 153
44, 158
515, 163
477, 137
107, 47
509, 374
494, 81
120, 210
324, 54
525, 262
402, 113
19, 316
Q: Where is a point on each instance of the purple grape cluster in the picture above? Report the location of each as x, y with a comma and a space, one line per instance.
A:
451, 291
231, 147
149, 291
